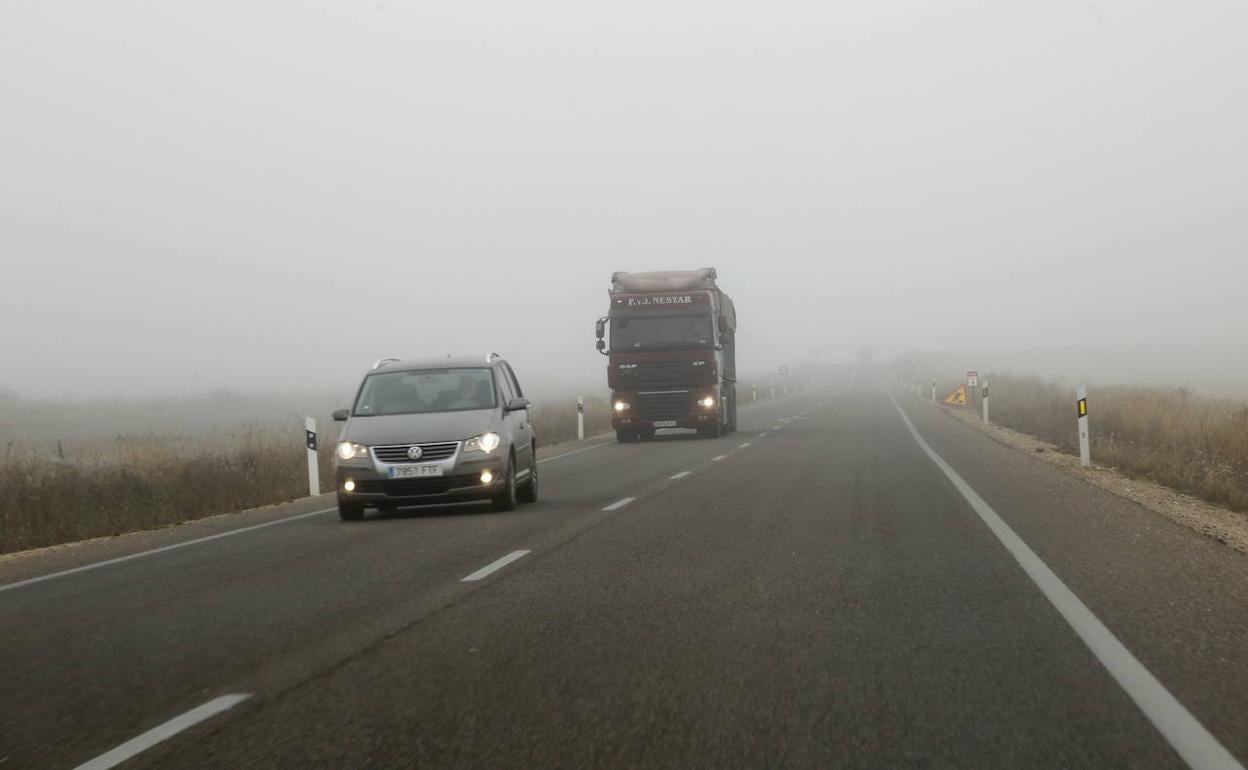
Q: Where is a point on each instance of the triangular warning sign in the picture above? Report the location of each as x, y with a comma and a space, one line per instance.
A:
957, 397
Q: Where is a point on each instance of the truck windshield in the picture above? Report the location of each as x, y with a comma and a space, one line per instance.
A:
426, 390
661, 332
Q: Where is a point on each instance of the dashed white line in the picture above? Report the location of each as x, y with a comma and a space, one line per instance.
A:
136, 746
569, 454
743, 446
763, 434
494, 566
680, 475
1196, 745
717, 459
162, 549
618, 504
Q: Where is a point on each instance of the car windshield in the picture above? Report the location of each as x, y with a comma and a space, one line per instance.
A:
661, 332
426, 390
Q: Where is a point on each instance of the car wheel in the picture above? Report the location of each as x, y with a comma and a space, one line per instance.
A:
350, 511
528, 492
506, 499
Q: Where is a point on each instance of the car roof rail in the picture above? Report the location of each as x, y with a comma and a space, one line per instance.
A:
492, 357
383, 361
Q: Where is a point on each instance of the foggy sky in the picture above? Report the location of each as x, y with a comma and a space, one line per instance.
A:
273, 195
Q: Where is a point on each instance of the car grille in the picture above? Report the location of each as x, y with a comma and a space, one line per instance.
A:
403, 487
665, 405
664, 374
432, 452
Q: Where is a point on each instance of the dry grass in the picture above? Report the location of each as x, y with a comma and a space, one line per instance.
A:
1171, 436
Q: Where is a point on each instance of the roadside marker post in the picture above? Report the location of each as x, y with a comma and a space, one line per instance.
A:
986, 402
314, 469
580, 419
933, 390
754, 392
773, 390
1081, 410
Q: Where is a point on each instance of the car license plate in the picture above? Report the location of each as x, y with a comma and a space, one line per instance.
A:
415, 471
665, 423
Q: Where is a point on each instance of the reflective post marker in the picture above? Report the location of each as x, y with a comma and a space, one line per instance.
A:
754, 392
314, 467
933, 391
580, 419
985, 402
773, 390
1081, 409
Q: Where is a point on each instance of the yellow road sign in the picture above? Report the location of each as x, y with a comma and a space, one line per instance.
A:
957, 397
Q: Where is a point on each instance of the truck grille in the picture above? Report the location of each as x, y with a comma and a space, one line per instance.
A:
431, 452
664, 374
665, 405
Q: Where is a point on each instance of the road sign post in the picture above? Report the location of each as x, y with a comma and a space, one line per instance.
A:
985, 394
1081, 410
314, 466
580, 419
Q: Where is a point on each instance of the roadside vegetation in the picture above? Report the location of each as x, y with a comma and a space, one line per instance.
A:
1176, 437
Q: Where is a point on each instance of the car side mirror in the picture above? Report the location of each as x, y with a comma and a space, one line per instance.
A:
517, 405
340, 415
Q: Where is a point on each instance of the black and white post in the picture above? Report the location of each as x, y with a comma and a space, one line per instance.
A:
314, 467
985, 402
933, 390
580, 419
1081, 409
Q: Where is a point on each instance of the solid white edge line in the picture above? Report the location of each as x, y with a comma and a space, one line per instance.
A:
717, 459
1196, 745
680, 475
162, 549
569, 454
138, 745
495, 566
619, 504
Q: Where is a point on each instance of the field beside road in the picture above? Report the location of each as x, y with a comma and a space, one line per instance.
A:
1175, 437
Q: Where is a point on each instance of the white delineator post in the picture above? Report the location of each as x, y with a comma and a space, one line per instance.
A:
773, 390
754, 392
985, 402
314, 467
1081, 409
580, 419
933, 391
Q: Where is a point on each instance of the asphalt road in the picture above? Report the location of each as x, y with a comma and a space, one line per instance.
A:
813, 591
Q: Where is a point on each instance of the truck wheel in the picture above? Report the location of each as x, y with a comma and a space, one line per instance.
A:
713, 431
732, 415
350, 511
625, 436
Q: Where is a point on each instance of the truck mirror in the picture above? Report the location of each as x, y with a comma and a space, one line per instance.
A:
601, 345
600, 329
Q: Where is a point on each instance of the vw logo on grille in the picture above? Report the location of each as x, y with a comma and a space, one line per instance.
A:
415, 452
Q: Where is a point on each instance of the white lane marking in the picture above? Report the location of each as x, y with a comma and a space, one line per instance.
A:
136, 746
743, 446
763, 434
680, 475
495, 566
569, 454
1185, 734
618, 504
154, 551
717, 459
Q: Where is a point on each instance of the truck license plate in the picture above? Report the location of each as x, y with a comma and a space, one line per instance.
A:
415, 471
665, 423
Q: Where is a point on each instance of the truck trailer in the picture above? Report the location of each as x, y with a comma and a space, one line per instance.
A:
672, 359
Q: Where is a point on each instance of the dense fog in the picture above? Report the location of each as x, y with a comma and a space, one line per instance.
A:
271, 196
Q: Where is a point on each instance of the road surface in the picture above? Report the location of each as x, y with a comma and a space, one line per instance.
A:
835, 585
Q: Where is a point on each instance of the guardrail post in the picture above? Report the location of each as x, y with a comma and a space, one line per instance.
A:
314, 466
580, 419
1081, 410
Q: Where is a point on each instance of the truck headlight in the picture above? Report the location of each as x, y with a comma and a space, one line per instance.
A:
621, 406
486, 443
348, 450
706, 402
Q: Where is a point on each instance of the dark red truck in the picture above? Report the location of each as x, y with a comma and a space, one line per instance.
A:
672, 361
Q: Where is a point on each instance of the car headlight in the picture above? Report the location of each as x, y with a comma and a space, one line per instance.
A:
348, 450
706, 402
486, 442
621, 406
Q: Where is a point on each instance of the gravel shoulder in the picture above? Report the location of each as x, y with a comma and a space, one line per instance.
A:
1226, 526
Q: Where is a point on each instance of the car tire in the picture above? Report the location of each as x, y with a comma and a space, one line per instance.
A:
528, 492
506, 499
350, 511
